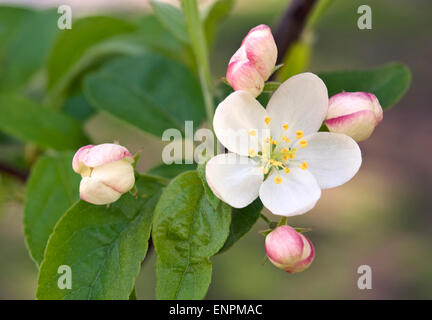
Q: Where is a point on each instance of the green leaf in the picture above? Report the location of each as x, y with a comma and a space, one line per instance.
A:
78, 107
72, 44
45, 127
389, 82
104, 247
187, 231
183, 282
10, 20
271, 86
149, 92
53, 187
172, 18
242, 220
26, 38
171, 170
133, 296
158, 38
68, 56
212, 199
213, 15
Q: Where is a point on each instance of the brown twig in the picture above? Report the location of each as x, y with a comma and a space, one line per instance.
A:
20, 175
291, 25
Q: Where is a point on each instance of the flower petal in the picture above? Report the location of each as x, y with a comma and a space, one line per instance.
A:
261, 49
239, 115
308, 255
301, 102
105, 153
358, 125
77, 165
296, 194
333, 158
94, 191
234, 179
242, 75
118, 175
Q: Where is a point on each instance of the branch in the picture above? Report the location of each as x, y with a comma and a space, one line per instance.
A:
20, 175
291, 25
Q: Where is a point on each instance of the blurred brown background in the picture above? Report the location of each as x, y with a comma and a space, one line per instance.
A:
382, 218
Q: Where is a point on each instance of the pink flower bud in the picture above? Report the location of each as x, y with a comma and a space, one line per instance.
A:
258, 51
355, 114
106, 172
289, 250
242, 75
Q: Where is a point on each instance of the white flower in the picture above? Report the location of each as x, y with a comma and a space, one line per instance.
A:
285, 160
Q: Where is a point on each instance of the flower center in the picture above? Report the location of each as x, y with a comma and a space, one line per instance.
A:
274, 157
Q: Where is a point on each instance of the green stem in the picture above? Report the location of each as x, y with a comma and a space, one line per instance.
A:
200, 50
282, 221
265, 218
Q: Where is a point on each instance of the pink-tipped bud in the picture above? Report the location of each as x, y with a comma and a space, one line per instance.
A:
254, 61
289, 250
355, 114
106, 172
242, 75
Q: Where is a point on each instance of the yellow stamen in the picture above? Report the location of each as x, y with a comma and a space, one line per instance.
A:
299, 134
264, 170
303, 143
267, 120
278, 180
284, 138
273, 142
287, 170
284, 150
285, 158
304, 166
252, 152
285, 126
252, 133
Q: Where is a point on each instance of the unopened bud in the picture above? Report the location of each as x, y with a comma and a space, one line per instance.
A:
106, 172
254, 61
289, 250
355, 114
242, 75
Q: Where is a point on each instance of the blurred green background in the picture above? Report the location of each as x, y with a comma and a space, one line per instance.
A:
381, 218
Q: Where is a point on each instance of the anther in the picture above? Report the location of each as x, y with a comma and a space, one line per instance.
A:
299, 134
304, 166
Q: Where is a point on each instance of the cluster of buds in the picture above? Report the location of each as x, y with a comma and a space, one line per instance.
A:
106, 172
254, 61
355, 114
